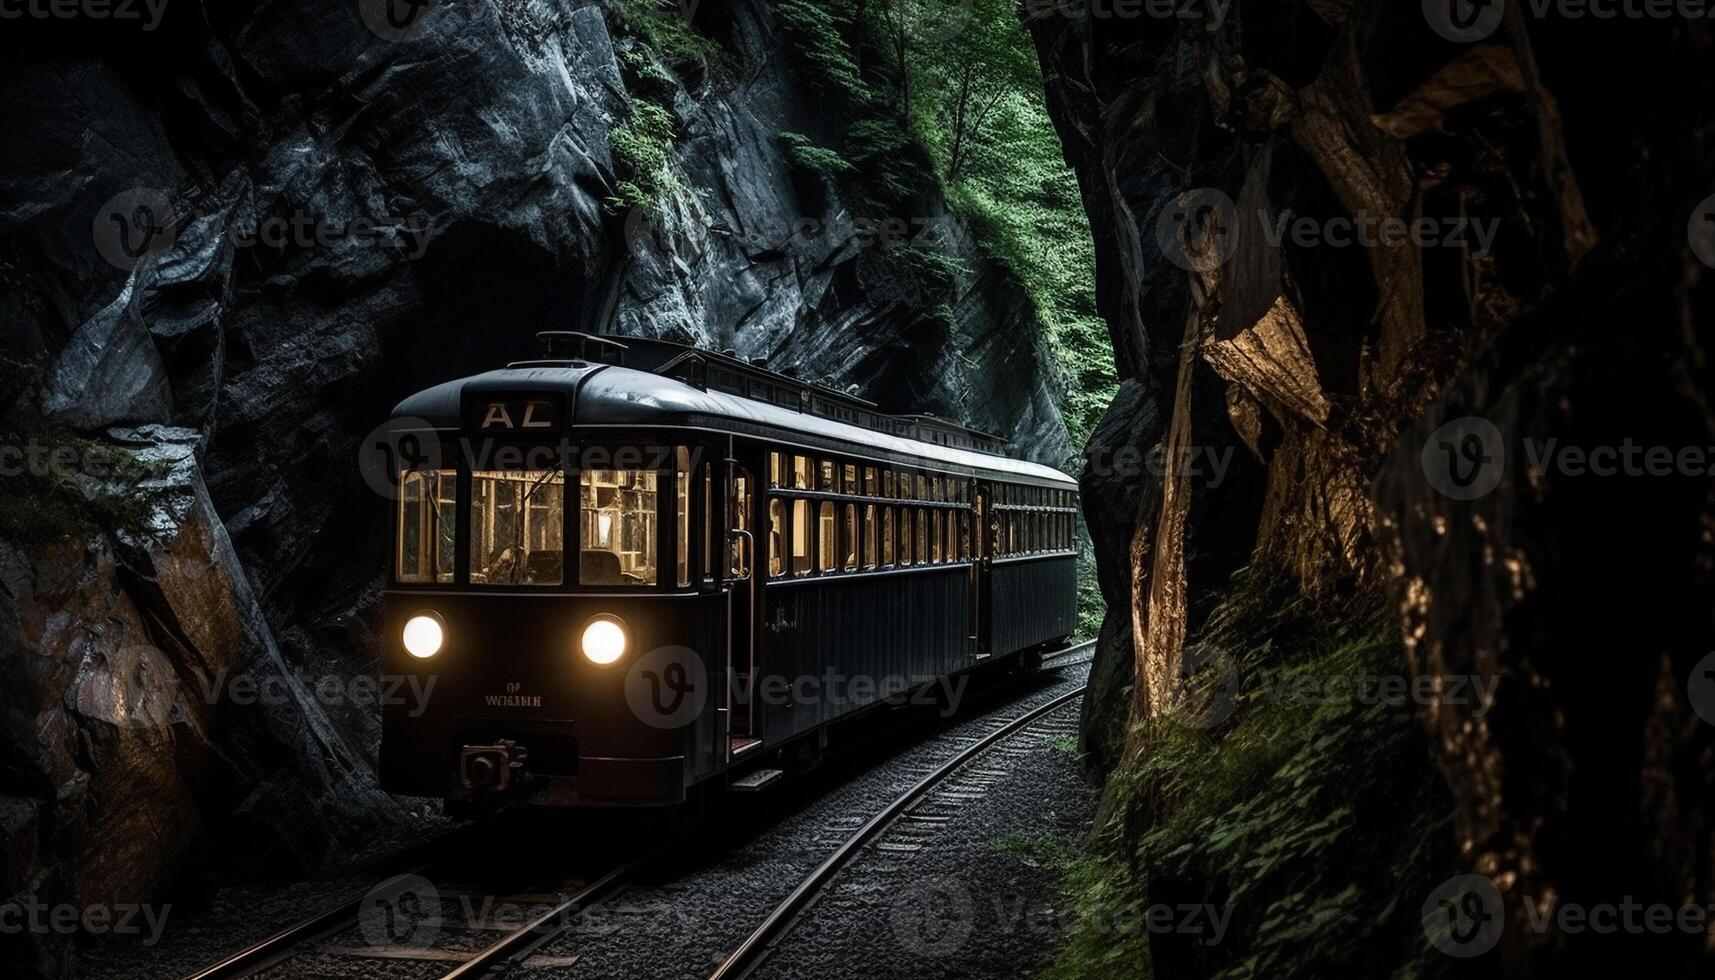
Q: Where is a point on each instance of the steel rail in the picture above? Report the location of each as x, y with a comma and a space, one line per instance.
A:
749, 953
259, 956
544, 928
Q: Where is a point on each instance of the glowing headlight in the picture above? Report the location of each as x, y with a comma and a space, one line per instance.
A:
604, 640
424, 635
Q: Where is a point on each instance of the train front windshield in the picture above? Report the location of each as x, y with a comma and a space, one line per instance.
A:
515, 526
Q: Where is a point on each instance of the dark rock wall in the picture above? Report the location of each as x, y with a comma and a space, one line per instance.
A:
1583, 148
324, 217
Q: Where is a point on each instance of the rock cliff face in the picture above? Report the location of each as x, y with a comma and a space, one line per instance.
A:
229, 243
1402, 406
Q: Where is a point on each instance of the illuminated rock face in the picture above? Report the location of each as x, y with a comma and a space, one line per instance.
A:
234, 244
1334, 369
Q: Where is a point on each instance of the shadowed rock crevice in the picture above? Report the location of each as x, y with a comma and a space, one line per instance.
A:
1553, 296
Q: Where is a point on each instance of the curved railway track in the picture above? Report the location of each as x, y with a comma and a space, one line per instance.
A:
558, 914
750, 953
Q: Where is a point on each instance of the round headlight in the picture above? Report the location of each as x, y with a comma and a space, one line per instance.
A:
604, 640
424, 635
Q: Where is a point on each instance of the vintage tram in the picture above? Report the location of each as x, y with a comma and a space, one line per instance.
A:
636, 568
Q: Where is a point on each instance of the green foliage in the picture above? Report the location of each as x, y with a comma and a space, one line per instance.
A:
662, 27
947, 99
821, 32
643, 151
805, 154
73, 486
1036, 850
1307, 816
643, 142
1092, 609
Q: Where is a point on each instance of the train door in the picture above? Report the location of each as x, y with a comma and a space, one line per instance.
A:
744, 731
980, 570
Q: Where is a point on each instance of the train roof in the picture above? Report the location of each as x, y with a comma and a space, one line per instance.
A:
675, 386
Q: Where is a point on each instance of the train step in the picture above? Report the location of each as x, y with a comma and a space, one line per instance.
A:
755, 781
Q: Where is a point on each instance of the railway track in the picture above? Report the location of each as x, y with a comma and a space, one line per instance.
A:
753, 950
461, 945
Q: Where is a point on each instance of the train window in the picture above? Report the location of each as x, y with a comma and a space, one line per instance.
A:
851, 478
776, 538
965, 535
825, 537
952, 551
921, 550
802, 535
869, 535
682, 514
708, 523
517, 527
827, 473
904, 535
887, 535
619, 528
887, 484
935, 490
741, 520
849, 538
935, 538
428, 526
776, 469
870, 488
801, 472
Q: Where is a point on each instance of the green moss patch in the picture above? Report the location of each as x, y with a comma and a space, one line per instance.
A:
1317, 818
